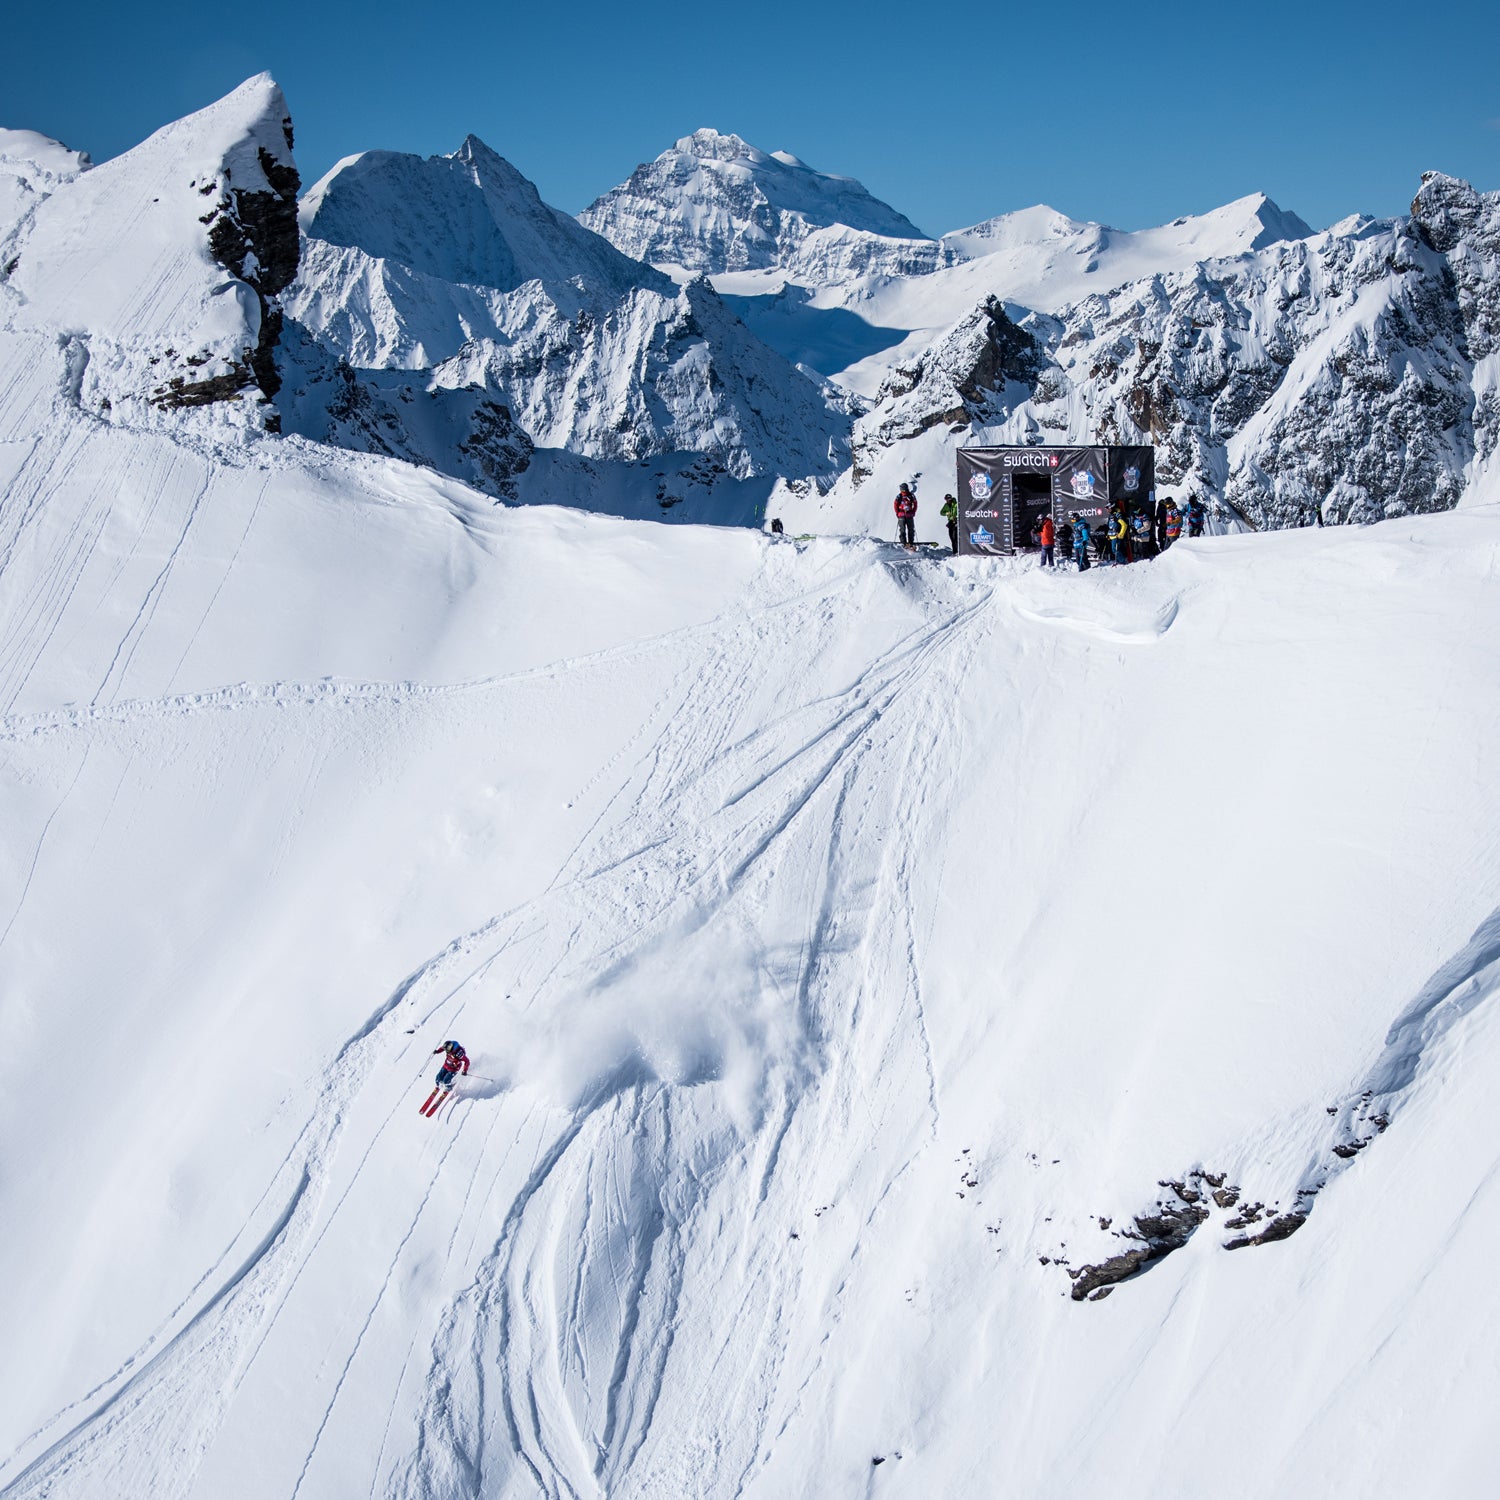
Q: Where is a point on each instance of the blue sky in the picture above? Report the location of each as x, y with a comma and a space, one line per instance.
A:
951, 112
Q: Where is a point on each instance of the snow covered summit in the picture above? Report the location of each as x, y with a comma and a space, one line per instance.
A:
469, 218
715, 203
159, 269
446, 314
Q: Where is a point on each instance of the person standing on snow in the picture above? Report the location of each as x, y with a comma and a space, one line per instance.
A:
906, 517
1047, 535
1171, 526
1081, 544
1195, 516
950, 515
1140, 533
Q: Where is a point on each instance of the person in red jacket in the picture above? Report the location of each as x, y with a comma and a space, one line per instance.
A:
455, 1061
1048, 540
906, 517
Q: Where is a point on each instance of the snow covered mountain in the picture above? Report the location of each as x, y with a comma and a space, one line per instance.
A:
713, 203
939, 1028
444, 313
158, 271
1348, 374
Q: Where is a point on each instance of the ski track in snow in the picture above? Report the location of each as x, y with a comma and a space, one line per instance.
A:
756, 788
491, 1397
591, 1225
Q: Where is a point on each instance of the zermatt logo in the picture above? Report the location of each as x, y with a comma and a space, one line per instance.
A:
980, 485
1083, 485
1132, 479
981, 538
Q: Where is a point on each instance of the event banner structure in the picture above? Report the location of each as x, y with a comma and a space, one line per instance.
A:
1004, 492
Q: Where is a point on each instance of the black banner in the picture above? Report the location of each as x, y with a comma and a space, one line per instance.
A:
985, 519
1002, 491
1132, 476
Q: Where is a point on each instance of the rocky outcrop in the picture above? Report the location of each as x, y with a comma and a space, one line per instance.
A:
462, 431
983, 367
252, 233
1157, 1233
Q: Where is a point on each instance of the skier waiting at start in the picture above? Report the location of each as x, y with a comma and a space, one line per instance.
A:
906, 517
455, 1061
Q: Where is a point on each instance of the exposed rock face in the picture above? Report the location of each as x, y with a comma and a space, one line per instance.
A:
459, 431
1348, 376
984, 363
1464, 228
253, 234
1160, 1231
714, 203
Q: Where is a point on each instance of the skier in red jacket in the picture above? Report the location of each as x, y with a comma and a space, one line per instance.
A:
1048, 540
455, 1061
906, 517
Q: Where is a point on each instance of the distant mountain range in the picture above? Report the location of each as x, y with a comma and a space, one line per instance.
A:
731, 328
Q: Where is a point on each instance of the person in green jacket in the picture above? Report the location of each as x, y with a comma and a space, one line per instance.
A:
950, 515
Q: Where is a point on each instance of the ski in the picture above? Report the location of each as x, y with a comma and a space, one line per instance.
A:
443, 1097
427, 1105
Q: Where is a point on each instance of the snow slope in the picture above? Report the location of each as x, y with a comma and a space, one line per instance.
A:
849, 946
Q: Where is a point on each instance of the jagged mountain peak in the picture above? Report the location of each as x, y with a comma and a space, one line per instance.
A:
708, 144
712, 202
130, 257
468, 217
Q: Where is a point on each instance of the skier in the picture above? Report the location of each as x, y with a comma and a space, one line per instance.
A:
1171, 526
1081, 544
906, 517
455, 1061
950, 515
1194, 516
1047, 534
1117, 534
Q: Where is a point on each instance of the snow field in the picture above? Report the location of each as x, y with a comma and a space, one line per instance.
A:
782, 893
